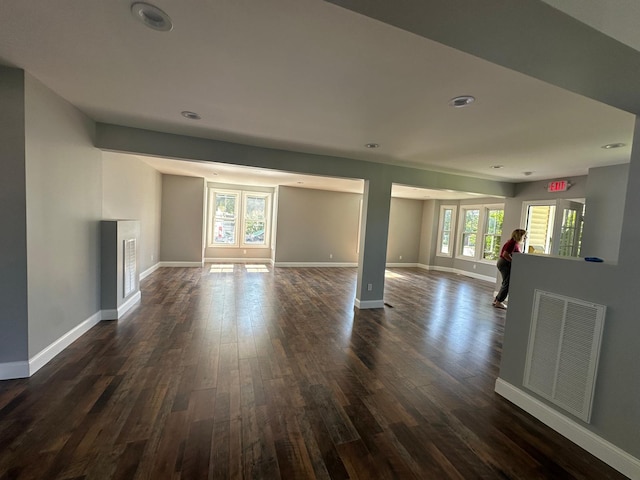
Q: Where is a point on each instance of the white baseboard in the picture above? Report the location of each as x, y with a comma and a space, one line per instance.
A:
401, 265
149, 271
314, 264
25, 369
113, 314
181, 264
367, 304
592, 443
457, 271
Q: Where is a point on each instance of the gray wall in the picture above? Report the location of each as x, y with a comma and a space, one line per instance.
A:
313, 224
429, 232
606, 191
181, 237
132, 190
64, 202
13, 211
405, 228
616, 410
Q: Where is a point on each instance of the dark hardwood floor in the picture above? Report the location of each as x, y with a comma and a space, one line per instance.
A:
260, 373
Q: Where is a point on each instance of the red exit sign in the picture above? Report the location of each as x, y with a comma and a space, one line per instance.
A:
558, 186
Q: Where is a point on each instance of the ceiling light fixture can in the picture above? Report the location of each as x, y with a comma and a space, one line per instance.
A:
191, 115
496, 167
151, 16
461, 101
609, 146
371, 145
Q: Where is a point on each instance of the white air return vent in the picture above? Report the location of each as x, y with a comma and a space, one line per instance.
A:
563, 351
130, 271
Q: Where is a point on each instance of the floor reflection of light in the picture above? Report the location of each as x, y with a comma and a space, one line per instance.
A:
256, 268
221, 268
390, 274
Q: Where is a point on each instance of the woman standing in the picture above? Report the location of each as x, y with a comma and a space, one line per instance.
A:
504, 264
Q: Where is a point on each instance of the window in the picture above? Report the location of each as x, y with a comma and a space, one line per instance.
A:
225, 220
254, 224
238, 219
445, 238
471, 218
480, 232
493, 234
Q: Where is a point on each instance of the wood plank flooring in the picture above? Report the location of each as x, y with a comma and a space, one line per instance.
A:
269, 373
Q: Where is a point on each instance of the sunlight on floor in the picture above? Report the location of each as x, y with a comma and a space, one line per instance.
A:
221, 268
389, 274
257, 268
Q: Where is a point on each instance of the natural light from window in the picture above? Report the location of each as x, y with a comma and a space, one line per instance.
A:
390, 274
256, 268
221, 268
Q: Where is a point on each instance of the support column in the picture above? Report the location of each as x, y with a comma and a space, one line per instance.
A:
13, 218
374, 232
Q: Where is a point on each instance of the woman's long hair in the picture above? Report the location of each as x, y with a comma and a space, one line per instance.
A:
517, 234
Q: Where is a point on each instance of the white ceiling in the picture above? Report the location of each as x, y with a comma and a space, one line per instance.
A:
309, 76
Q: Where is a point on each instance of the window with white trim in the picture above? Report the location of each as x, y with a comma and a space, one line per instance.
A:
470, 221
480, 232
238, 218
493, 234
445, 230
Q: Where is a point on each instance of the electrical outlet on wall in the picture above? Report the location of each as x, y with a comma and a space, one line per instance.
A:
400, 257
244, 251
370, 286
331, 255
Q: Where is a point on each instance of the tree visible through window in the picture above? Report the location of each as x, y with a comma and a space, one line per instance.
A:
237, 218
493, 234
224, 227
470, 232
255, 214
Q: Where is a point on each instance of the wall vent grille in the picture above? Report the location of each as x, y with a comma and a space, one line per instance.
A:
563, 351
130, 270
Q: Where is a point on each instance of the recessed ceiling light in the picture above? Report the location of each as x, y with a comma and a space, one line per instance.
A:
151, 16
371, 145
526, 174
461, 101
496, 167
191, 115
612, 145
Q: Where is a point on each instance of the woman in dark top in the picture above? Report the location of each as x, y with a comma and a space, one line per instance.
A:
504, 264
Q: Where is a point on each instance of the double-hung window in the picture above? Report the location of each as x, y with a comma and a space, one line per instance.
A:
480, 232
470, 223
238, 219
493, 233
446, 230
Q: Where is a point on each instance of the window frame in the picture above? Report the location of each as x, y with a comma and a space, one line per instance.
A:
485, 232
452, 231
267, 211
480, 233
240, 217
